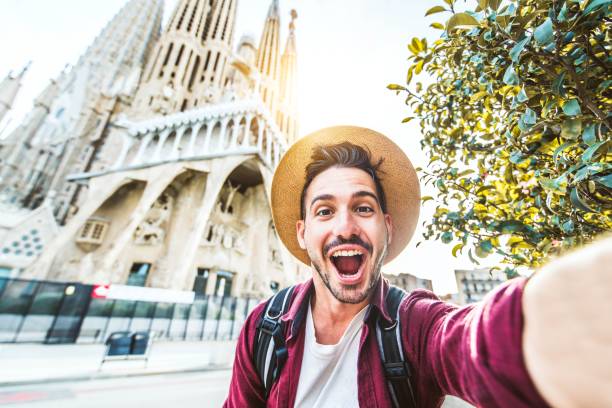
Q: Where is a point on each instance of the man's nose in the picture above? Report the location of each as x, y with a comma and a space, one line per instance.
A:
345, 225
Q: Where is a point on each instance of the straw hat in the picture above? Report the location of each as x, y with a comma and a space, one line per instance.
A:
398, 179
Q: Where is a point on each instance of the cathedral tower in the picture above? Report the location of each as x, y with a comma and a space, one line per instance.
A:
268, 58
66, 126
9, 87
187, 68
287, 113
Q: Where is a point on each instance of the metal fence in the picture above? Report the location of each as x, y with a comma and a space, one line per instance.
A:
34, 311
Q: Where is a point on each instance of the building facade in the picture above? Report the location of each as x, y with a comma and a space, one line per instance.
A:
155, 152
409, 282
474, 284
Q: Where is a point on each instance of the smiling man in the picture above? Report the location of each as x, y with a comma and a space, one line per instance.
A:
345, 200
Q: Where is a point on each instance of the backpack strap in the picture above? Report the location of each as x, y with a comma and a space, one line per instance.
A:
270, 351
397, 369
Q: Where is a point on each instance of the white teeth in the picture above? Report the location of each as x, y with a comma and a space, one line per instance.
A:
347, 253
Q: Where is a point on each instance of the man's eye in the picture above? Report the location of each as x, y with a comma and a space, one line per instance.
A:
364, 209
324, 212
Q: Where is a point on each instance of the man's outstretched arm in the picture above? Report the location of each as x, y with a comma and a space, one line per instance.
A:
567, 337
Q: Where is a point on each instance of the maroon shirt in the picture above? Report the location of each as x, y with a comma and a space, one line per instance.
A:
473, 352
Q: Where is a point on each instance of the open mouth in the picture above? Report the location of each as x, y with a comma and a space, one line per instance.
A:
347, 263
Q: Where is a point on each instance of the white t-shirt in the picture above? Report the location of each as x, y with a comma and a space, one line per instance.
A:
328, 377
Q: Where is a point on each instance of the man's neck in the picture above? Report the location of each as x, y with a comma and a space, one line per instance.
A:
330, 316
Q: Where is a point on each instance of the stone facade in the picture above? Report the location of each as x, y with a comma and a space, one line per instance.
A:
409, 282
176, 187
474, 284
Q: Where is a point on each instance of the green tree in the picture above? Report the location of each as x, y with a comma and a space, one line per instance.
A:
516, 125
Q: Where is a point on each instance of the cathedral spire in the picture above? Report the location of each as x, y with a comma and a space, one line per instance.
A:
268, 61
9, 87
288, 122
189, 60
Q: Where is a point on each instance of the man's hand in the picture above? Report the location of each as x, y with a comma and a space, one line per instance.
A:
567, 338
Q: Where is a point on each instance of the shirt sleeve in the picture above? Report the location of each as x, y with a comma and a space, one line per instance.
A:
472, 352
246, 389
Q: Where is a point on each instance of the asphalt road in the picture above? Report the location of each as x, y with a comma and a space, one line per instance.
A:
203, 389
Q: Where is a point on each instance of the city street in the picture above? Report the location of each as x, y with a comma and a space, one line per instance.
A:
203, 389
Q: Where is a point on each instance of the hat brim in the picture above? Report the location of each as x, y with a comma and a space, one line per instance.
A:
398, 178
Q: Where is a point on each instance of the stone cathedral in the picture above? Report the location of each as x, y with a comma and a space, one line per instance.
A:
149, 162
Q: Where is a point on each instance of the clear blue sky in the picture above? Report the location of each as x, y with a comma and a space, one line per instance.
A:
348, 51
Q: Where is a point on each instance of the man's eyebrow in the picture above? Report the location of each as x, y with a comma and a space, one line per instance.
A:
364, 193
321, 197
361, 193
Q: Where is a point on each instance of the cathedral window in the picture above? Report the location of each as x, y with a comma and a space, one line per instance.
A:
206, 62
194, 72
193, 13
168, 54
216, 62
187, 67
180, 54
138, 274
226, 22
218, 21
180, 23
152, 68
93, 232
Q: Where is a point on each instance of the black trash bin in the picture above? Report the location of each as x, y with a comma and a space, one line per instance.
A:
119, 343
140, 343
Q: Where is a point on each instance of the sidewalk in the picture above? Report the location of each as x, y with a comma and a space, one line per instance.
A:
22, 364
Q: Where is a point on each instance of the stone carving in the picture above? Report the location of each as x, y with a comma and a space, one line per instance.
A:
274, 255
152, 229
223, 228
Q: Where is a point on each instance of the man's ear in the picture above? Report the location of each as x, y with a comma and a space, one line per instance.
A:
300, 227
389, 223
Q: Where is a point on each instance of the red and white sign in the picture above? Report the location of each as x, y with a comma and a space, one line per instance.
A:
100, 291
125, 292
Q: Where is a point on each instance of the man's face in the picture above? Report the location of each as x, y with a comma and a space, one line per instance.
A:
345, 232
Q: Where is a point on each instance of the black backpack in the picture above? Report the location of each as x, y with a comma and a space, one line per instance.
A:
271, 352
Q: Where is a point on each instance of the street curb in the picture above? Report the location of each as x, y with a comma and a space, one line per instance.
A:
108, 376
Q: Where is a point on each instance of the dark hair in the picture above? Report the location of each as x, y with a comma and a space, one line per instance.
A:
343, 154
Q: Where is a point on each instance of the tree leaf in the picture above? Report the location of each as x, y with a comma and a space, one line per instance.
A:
510, 76
407, 119
595, 151
447, 237
437, 26
594, 5
457, 248
578, 202
572, 108
516, 51
571, 128
426, 198
474, 261
562, 17
561, 148
544, 32
395, 87
434, 10
529, 117
605, 180
461, 21
522, 95
557, 85
511, 226
588, 136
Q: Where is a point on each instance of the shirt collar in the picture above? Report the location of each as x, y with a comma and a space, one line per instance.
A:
301, 296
